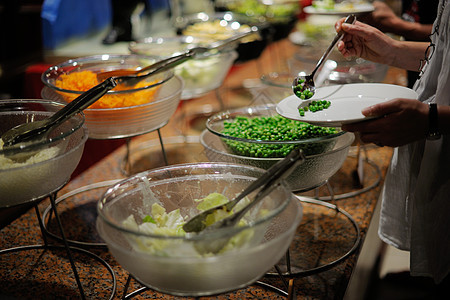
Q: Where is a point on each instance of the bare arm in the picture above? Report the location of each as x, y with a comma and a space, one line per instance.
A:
362, 40
384, 18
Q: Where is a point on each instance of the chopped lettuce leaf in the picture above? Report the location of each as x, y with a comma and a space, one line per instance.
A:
149, 219
159, 222
210, 201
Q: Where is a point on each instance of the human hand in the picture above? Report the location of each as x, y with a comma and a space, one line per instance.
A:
362, 40
398, 122
383, 17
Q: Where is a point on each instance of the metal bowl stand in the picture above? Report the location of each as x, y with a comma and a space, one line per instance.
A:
65, 246
286, 270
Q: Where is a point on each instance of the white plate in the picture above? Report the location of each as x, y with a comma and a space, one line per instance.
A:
356, 9
347, 101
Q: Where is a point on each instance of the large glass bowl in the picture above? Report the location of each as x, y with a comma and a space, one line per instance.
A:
175, 265
200, 74
324, 155
243, 146
138, 110
34, 170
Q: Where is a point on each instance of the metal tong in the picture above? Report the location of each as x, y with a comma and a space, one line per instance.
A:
271, 179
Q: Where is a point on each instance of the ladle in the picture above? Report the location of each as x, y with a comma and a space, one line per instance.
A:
177, 59
304, 83
267, 182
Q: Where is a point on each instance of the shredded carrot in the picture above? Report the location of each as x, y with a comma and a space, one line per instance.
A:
84, 80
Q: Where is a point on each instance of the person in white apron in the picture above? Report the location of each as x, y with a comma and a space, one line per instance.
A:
415, 213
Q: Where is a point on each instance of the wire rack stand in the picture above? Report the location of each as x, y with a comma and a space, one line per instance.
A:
126, 163
288, 284
65, 246
48, 214
287, 267
362, 161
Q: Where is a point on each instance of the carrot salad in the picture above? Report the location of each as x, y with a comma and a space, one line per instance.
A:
84, 80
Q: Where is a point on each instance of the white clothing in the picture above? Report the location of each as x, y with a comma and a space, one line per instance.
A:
415, 213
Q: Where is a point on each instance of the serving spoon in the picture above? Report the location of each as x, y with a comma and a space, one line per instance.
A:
177, 59
267, 182
303, 85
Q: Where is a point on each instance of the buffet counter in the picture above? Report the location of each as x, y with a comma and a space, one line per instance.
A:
324, 254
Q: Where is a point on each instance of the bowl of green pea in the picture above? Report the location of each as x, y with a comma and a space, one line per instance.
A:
258, 136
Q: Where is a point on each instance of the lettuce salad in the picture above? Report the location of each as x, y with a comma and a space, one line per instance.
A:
170, 224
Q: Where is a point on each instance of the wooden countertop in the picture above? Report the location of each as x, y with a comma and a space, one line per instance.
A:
41, 274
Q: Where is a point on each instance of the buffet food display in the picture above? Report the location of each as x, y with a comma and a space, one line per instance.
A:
141, 217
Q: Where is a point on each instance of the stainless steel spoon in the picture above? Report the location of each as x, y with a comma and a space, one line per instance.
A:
303, 86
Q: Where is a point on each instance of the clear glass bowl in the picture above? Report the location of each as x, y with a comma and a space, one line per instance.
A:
219, 26
309, 146
201, 74
324, 155
352, 70
276, 86
34, 170
150, 106
281, 15
178, 268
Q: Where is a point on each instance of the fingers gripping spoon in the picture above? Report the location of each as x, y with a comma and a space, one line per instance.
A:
303, 86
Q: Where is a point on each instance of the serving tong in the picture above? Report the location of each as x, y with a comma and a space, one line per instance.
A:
270, 180
31, 131
175, 60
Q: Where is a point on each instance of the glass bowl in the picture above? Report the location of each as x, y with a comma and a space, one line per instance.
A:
280, 14
324, 155
176, 264
123, 113
310, 146
34, 170
276, 86
219, 26
353, 70
201, 74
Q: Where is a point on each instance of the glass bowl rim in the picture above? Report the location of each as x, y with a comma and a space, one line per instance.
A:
40, 144
75, 61
242, 19
267, 79
154, 40
240, 157
229, 231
